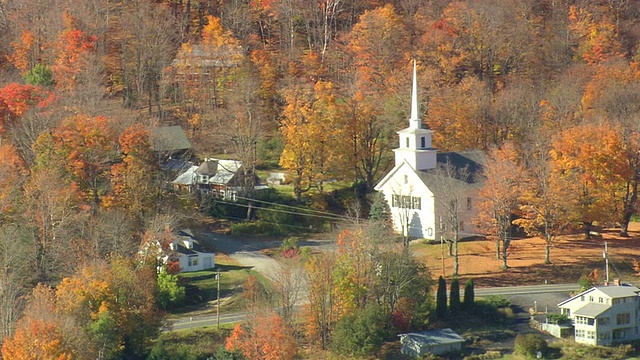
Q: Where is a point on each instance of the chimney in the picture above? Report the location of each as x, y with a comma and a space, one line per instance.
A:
616, 282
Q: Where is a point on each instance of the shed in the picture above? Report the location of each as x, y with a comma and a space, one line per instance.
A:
437, 342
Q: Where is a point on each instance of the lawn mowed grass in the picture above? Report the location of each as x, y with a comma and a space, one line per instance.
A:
202, 288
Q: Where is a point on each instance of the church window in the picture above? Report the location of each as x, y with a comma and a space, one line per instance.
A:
407, 142
416, 203
406, 202
423, 142
406, 179
395, 200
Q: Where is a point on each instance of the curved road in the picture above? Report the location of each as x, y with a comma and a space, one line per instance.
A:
544, 296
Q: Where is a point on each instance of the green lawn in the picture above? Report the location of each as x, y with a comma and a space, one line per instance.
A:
202, 288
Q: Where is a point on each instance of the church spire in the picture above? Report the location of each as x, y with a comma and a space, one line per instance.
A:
414, 121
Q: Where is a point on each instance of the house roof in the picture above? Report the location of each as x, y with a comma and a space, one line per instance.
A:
619, 291
186, 178
592, 310
433, 337
612, 291
186, 235
198, 55
208, 167
169, 138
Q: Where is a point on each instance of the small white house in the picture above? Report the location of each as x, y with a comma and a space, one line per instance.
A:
604, 315
436, 342
215, 176
188, 252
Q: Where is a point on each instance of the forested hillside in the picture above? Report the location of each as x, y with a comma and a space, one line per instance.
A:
317, 87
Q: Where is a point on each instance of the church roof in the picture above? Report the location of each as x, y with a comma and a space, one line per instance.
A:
471, 160
169, 138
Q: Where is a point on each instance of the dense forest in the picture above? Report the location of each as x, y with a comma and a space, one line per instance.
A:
318, 87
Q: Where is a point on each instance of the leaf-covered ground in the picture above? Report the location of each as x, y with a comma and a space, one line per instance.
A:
571, 255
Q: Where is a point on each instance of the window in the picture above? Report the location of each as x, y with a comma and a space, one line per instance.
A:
193, 260
407, 142
604, 336
423, 142
582, 298
469, 203
584, 320
591, 334
580, 333
618, 334
622, 319
600, 300
461, 225
416, 203
406, 179
395, 200
604, 321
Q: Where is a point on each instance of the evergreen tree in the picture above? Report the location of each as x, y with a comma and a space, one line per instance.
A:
469, 296
441, 298
454, 296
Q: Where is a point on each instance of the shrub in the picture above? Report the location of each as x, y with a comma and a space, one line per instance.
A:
497, 301
557, 318
529, 344
454, 296
360, 333
255, 228
170, 293
469, 295
39, 75
441, 298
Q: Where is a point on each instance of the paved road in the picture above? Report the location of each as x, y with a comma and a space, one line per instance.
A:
528, 289
544, 296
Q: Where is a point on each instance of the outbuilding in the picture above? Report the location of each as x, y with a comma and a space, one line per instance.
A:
436, 342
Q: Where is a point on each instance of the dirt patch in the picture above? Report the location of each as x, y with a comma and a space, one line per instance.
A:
571, 257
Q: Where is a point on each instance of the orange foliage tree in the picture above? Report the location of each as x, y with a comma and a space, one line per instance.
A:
597, 38
72, 48
602, 160
83, 148
133, 178
499, 197
16, 99
267, 339
13, 171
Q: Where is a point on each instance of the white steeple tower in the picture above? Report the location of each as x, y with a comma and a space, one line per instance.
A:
415, 142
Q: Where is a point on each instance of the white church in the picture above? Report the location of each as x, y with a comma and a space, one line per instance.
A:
411, 187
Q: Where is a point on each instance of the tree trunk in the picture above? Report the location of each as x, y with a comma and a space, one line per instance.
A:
547, 250
498, 249
505, 254
587, 229
456, 262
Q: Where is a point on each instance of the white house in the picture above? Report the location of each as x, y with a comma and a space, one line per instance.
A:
436, 342
412, 188
188, 252
604, 315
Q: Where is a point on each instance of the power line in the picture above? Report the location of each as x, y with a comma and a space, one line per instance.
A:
332, 217
293, 207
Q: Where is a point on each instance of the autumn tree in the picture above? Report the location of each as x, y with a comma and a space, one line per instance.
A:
82, 148
266, 338
134, 180
603, 160
311, 132
320, 312
597, 40
544, 199
499, 197
72, 48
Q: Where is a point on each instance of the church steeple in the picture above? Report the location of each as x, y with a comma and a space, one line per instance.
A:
414, 122
415, 142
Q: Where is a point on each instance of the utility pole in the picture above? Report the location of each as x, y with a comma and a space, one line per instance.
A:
218, 300
606, 263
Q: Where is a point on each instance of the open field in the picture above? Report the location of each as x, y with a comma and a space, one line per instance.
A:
571, 255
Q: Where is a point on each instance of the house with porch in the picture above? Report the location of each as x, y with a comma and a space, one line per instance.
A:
219, 177
604, 315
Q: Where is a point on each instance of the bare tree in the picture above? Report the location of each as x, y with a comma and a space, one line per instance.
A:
288, 287
451, 191
15, 275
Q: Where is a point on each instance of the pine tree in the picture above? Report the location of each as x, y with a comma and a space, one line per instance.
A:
454, 296
469, 296
441, 298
